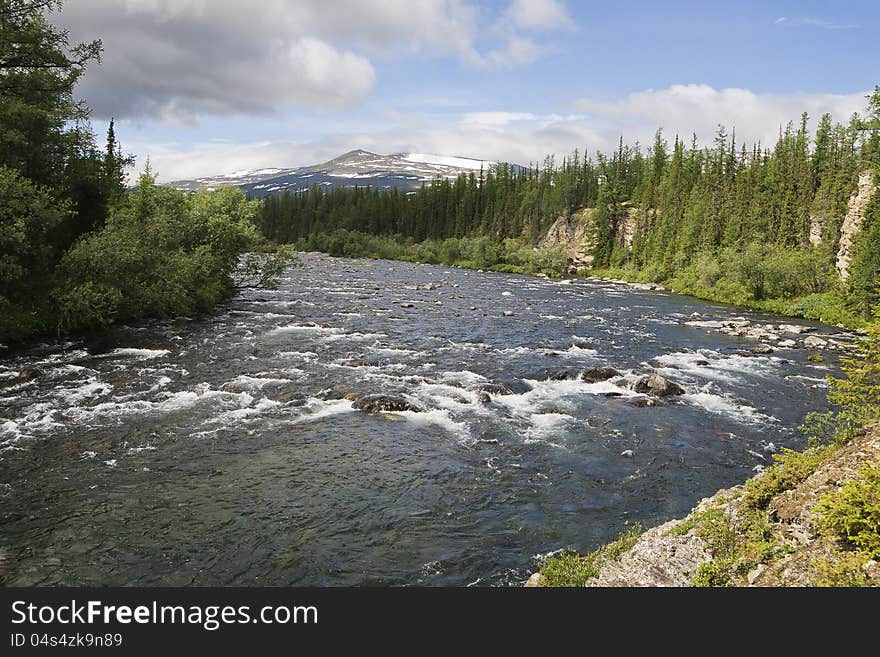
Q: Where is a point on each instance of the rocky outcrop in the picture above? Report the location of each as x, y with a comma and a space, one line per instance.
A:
780, 335
853, 221
626, 228
817, 230
572, 233
659, 558
671, 554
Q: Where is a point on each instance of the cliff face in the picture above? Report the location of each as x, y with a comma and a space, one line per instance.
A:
853, 221
572, 233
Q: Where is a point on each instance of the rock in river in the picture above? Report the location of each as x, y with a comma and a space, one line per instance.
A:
384, 404
657, 385
596, 374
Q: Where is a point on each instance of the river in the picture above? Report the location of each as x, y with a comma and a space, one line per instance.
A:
220, 450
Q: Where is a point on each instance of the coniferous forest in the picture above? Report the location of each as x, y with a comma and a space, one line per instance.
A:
729, 221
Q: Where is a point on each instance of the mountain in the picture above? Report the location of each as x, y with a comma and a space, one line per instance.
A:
356, 168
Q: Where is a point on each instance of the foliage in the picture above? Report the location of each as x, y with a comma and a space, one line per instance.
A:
569, 569
840, 569
788, 470
163, 253
856, 396
852, 514
737, 543
474, 253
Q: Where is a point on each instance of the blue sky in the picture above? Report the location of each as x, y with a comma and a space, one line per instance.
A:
206, 87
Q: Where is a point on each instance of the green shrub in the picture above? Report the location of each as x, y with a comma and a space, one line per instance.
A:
852, 514
568, 568
788, 470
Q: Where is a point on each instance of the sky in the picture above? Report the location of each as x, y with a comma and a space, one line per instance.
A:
206, 87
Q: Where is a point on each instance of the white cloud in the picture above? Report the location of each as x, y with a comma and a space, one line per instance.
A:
517, 51
525, 137
178, 60
539, 15
684, 109
496, 118
814, 22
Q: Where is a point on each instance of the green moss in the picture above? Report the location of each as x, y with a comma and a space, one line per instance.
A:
568, 568
852, 514
790, 469
816, 358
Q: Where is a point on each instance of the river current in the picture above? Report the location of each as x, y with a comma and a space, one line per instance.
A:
221, 450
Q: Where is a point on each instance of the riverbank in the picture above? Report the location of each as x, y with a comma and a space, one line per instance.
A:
828, 307
515, 257
806, 521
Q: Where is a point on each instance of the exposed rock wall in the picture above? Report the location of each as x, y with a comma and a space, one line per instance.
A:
626, 228
853, 221
572, 233
817, 230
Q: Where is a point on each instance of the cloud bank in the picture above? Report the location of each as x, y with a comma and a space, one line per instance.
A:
177, 60
527, 137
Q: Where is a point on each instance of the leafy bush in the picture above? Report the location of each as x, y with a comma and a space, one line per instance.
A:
161, 253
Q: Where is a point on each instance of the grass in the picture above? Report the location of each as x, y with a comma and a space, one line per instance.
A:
569, 569
788, 470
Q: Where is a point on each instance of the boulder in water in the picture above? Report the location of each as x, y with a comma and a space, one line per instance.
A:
557, 374
551, 410
28, 375
658, 385
484, 397
601, 373
384, 404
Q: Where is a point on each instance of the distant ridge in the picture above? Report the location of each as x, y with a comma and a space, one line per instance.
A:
356, 168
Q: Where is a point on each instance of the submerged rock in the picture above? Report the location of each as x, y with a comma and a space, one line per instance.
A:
384, 404
762, 349
495, 389
657, 385
814, 342
641, 402
602, 373
559, 375
28, 375
484, 397
551, 410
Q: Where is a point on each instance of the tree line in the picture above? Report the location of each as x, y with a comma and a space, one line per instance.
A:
726, 220
78, 249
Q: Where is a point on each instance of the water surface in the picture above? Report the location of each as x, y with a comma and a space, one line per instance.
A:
220, 450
